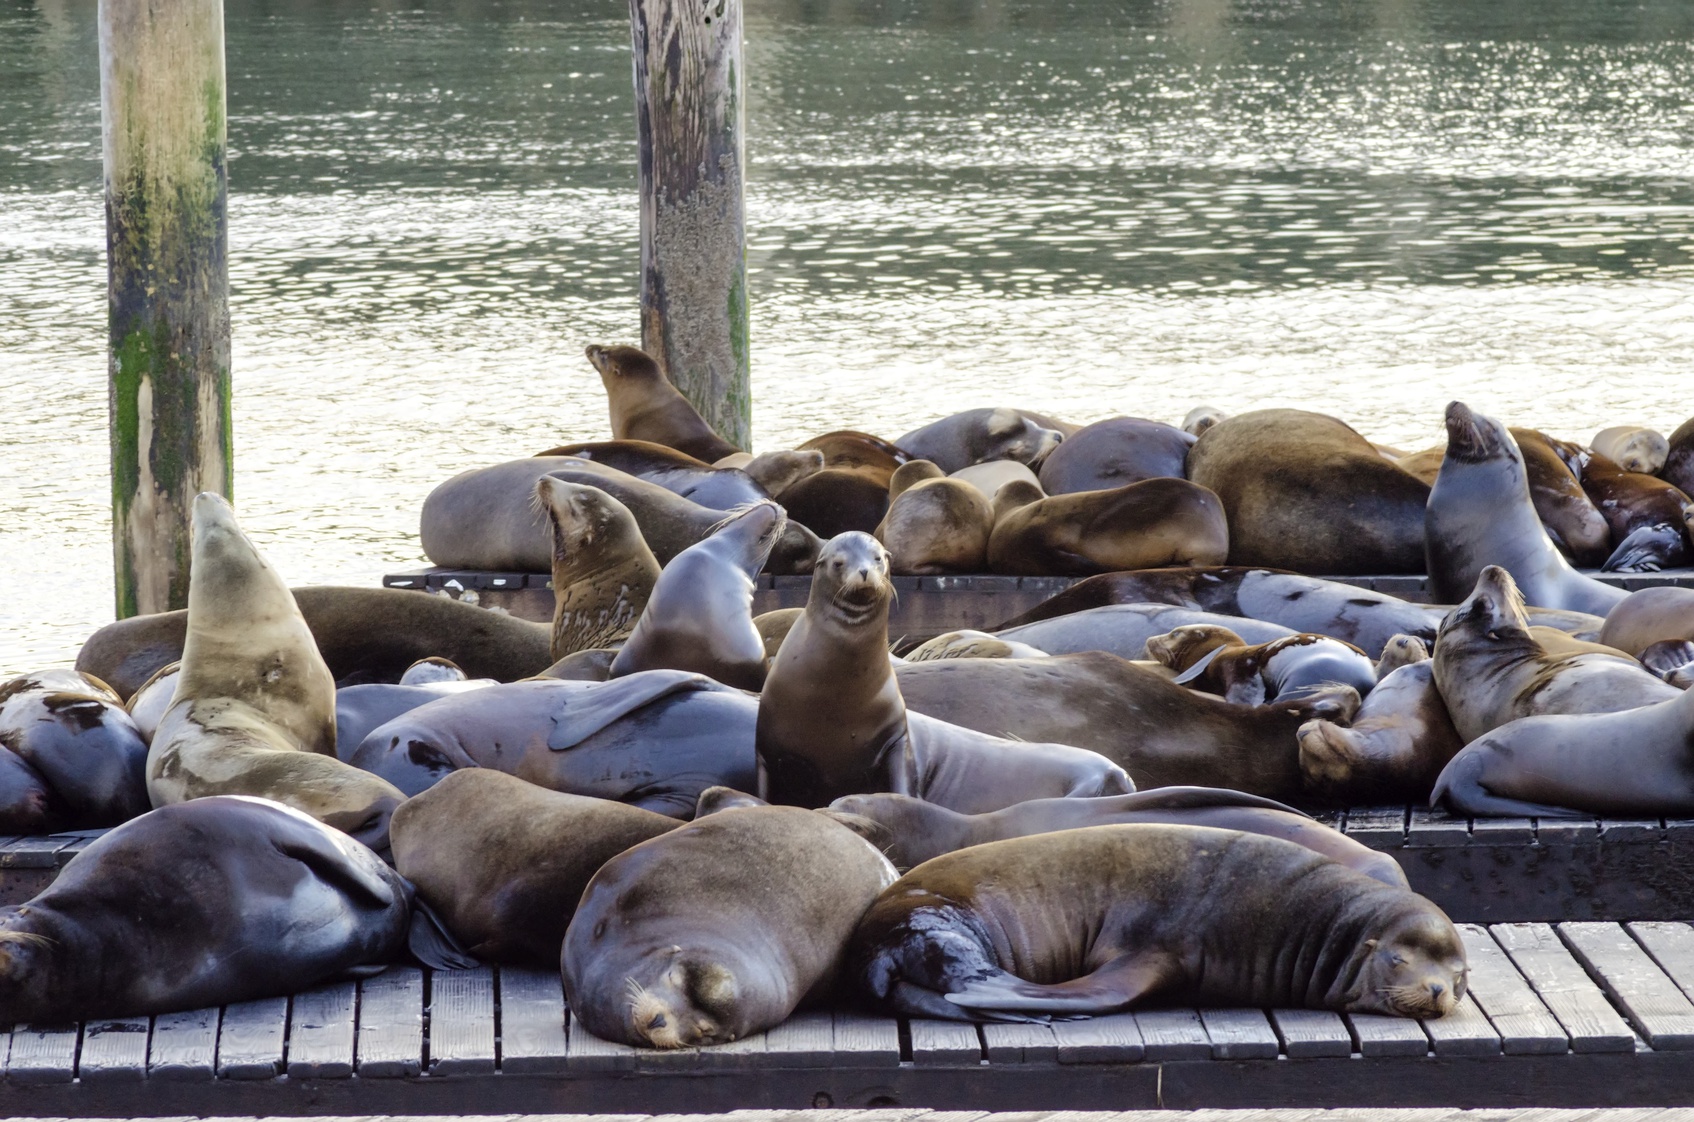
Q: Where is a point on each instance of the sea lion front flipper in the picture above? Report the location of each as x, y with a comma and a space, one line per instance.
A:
1111, 988
432, 944
1644, 550
616, 699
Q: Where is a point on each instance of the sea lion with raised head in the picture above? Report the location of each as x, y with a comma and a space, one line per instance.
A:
1137, 526
212, 902
910, 831
75, 734
1304, 491
1114, 453
254, 708
1480, 514
978, 435
1632, 447
603, 572
1216, 660
719, 929
935, 524
503, 862
1092, 921
1649, 519
646, 406
832, 721
1492, 666
700, 615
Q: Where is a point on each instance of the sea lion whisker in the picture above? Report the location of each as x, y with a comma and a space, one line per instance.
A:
26, 939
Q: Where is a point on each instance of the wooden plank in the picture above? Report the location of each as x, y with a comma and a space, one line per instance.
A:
1502, 831
805, 1040
944, 1042
746, 1054
588, 1052
1239, 1034
461, 1022
862, 1041
1375, 1034
1020, 1044
1112, 1039
1525, 1025
114, 1051
532, 1022
1630, 830
1567, 831
1652, 1002
1312, 1032
184, 1047
33, 852
1463, 1032
1583, 1011
251, 1039
1672, 947
1380, 827
43, 1054
321, 1032
1173, 1034
1426, 827
391, 1024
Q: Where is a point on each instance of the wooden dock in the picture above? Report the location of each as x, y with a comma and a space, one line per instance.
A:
1572, 1014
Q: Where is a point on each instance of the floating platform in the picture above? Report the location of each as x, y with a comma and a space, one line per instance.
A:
1573, 1014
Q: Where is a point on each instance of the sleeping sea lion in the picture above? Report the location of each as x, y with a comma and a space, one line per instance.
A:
73, 732
1649, 519
1113, 453
1632, 447
1216, 660
977, 435
1138, 526
935, 524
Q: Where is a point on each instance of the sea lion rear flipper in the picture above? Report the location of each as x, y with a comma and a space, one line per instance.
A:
1461, 787
1644, 550
432, 944
1109, 989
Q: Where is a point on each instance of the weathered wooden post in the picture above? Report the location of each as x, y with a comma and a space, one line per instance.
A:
162, 116
688, 106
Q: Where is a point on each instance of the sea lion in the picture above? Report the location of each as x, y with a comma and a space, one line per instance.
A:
704, 483
714, 799
1392, 751
27, 804
254, 708
1304, 491
646, 406
977, 435
700, 615
1480, 514
775, 471
850, 450
1124, 629
935, 524
971, 644
433, 671
1138, 526
718, 929
364, 634
1492, 666
837, 500
991, 476
1556, 492
671, 523
1647, 616
1402, 650
1218, 661
75, 734
1649, 519
832, 722
216, 901
503, 862
603, 572
654, 739
1200, 418
1160, 733
910, 831
1115, 452
1632, 447
1092, 921
1630, 763
774, 626
1360, 616
593, 665
362, 708
1678, 469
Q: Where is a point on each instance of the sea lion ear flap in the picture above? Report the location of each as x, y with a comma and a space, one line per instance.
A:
714, 799
1004, 422
1370, 944
1015, 495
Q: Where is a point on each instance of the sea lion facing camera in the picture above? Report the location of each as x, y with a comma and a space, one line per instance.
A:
719, 929
1091, 921
503, 862
1480, 514
254, 709
1632, 447
646, 406
976, 435
1113, 453
603, 572
1138, 526
74, 733
212, 902
1306, 492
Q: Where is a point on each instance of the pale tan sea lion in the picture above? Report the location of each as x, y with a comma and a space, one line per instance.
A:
935, 524
645, 406
1632, 447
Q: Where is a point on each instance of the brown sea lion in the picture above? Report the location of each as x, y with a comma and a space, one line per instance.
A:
503, 862
603, 571
1304, 491
1480, 514
720, 929
851, 491
704, 483
910, 831
1492, 666
977, 435
935, 524
254, 709
645, 406
1649, 519
1092, 921
832, 721
1392, 751
1138, 526
1632, 447
1648, 616
1125, 629
775, 471
850, 450
1564, 508
1679, 458
1113, 453
1218, 661
774, 626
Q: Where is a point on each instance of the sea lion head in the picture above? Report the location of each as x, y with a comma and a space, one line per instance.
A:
586, 521
684, 998
26, 965
1202, 417
1401, 650
623, 363
1495, 608
850, 581
1415, 968
748, 534
1183, 647
1473, 438
1012, 436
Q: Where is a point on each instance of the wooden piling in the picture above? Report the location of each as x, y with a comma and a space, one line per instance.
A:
162, 119
689, 109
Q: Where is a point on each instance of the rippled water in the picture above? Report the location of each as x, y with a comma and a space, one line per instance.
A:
1108, 206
